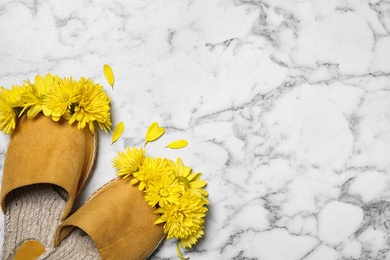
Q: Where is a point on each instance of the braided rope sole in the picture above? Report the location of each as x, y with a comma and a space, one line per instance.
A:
77, 245
33, 212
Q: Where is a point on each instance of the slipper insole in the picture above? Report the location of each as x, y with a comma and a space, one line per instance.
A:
77, 245
33, 212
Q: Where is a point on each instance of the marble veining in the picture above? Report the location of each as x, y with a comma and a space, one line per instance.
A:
286, 106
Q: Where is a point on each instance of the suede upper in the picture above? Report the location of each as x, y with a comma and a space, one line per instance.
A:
43, 151
118, 220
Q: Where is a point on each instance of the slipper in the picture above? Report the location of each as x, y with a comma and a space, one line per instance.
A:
127, 218
114, 223
46, 165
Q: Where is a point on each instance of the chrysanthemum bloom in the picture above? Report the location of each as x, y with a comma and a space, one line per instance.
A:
33, 100
13, 96
183, 220
151, 168
93, 105
7, 118
11, 107
59, 100
128, 162
164, 190
191, 180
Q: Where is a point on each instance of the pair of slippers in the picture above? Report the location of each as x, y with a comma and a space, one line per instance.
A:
46, 165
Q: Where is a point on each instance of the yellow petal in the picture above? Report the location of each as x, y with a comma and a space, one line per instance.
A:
198, 184
133, 181
141, 186
109, 74
39, 85
154, 132
178, 144
118, 131
34, 110
158, 221
48, 79
46, 111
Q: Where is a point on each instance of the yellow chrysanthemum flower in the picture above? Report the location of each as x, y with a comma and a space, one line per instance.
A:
13, 96
81, 101
183, 220
33, 100
151, 168
59, 100
11, 107
164, 190
128, 162
7, 118
191, 180
93, 105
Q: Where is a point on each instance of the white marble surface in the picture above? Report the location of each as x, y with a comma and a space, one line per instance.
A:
286, 105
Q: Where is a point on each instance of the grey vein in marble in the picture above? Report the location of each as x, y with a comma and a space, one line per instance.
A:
285, 104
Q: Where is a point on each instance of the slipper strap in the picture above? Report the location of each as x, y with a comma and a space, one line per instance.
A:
44, 151
118, 220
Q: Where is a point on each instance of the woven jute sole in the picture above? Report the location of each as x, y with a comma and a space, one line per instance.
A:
77, 245
33, 213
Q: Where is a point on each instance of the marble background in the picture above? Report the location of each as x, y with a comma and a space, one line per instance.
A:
286, 105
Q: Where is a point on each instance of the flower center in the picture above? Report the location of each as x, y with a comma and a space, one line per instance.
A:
65, 97
163, 192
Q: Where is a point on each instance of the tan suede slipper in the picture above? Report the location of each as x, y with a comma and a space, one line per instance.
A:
46, 165
115, 223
